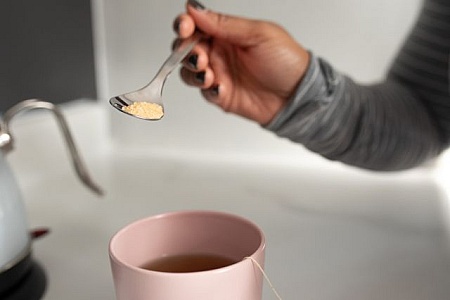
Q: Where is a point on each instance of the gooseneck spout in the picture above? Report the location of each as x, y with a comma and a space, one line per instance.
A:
6, 140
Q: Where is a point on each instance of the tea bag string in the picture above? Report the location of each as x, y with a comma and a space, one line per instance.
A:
265, 276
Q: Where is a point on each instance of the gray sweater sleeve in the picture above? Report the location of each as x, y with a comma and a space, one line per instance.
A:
379, 127
396, 124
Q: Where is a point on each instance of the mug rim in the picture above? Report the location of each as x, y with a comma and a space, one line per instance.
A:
127, 227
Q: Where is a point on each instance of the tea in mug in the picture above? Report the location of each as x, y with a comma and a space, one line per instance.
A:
185, 263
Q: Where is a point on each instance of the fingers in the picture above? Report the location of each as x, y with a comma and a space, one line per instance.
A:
198, 59
184, 26
195, 71
202, 79
213, 93
214, 81
205, 77
218, 91
203, 68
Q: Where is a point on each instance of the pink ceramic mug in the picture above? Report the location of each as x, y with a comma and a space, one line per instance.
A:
188, 233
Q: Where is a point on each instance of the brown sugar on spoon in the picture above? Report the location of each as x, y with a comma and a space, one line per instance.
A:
145, 110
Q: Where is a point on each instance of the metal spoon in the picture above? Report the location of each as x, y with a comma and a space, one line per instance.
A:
152, 92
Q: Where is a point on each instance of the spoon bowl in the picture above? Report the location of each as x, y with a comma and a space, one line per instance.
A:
146, 103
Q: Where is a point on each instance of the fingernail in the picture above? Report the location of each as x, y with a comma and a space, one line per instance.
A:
197, 5
213, 94
176, 25
192, 60
200, 77
215, 90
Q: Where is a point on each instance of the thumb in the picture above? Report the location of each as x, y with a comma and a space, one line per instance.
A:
232, 29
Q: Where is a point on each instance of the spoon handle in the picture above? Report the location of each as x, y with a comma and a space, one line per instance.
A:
177, 56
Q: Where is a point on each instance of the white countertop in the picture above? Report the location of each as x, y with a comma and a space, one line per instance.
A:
332, 232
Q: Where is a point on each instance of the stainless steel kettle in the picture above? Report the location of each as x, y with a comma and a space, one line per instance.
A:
15, 240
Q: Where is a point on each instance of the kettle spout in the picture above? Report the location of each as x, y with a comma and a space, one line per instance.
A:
6, 140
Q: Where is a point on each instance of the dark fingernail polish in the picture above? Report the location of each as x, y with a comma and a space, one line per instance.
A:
215, 90
195, 4
200, 77
192, 60
176, 25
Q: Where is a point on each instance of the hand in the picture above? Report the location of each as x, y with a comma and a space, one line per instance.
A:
247, 67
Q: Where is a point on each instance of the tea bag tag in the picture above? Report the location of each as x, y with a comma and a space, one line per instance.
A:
265, 277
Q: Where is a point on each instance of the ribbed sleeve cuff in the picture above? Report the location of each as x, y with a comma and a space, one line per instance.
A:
319, 85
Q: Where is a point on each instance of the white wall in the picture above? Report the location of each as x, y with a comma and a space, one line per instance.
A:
359, 37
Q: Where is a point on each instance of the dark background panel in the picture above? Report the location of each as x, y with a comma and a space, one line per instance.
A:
46, 51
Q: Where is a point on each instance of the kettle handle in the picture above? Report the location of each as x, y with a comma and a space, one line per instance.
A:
25, 105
